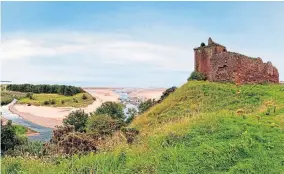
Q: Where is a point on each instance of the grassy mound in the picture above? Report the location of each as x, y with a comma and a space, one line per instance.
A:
8, 96
200, 128
58, 100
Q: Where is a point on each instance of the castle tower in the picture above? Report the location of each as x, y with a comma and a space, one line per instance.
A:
203, 55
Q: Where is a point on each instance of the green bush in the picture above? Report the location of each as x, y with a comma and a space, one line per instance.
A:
29, 95
29, 148
113, 109
196, 76
202, 44
53, 102
84, 97
132, 112
103, 125
144, 106
166, 93
46, 102
78, 119
9, 138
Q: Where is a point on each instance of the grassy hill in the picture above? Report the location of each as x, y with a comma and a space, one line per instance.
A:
200, 128
58, 100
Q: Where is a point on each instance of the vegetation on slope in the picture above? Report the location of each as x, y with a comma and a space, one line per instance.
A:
56, 100
8, 96
200, 128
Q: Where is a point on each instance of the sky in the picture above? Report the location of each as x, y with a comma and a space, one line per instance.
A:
130, 44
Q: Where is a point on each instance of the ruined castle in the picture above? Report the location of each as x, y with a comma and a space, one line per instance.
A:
220, 65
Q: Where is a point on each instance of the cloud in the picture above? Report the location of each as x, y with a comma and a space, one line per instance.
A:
65, 56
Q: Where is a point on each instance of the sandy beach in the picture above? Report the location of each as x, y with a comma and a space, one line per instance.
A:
53, 116
150, 93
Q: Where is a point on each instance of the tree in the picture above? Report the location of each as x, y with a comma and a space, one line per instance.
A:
103, 125
78, 119
9, 138
144, 106
113, 109
202, 44
196, 76
132, 112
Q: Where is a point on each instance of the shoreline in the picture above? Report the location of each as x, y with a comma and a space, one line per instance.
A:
42, 121
51, 117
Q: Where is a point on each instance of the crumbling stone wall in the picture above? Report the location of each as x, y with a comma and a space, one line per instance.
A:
222, 66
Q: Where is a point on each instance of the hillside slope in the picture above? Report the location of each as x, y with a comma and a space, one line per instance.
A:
200, 128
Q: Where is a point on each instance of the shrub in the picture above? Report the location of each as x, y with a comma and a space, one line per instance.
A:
144, 106
52, 101
29, 95
196, 76
103, 125
62, 102
130, 134
78, 119
84, 97
77, 143
60, 131
132, 112
166, 93
66, 141
46, 102
115, 110
31, 148
202, 44
9, 138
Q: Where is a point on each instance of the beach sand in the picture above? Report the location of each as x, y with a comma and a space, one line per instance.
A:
154, 93
53, 116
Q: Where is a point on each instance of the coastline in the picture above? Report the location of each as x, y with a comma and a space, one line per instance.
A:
43, 121
53, 116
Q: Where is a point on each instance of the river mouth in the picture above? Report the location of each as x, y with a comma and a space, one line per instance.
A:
126, 101
44, 133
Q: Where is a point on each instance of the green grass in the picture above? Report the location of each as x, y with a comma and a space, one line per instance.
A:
20, 130
60, 100
195, 130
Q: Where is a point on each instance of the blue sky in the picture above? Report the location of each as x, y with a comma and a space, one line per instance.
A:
130, 44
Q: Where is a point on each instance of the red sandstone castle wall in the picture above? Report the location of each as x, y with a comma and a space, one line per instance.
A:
203, 58
228, 66
221, 66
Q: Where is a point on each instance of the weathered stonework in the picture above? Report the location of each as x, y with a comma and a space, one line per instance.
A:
219, 65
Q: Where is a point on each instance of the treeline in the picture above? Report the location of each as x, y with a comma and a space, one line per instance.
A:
52, 89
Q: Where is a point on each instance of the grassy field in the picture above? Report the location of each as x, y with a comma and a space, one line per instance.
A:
8, 96
200, 128
57, 100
